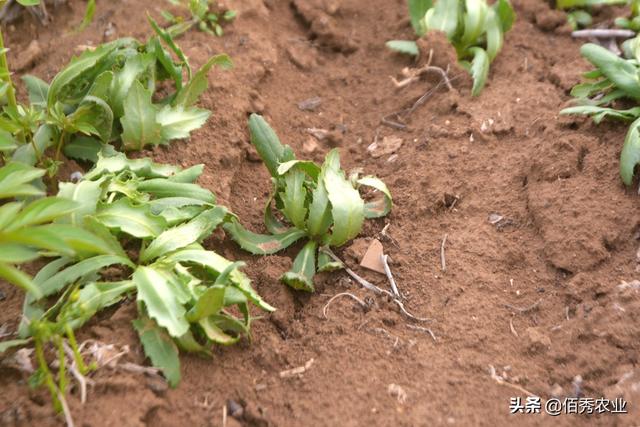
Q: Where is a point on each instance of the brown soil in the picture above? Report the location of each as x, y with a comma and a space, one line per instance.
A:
567, 239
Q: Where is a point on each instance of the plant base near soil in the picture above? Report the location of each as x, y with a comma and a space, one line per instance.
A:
567, 237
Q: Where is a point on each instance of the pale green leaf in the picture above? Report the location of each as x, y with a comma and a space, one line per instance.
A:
380, 207
177, 122
407, 47
185, 234
304, 268
135, 220
262, 244
159, 348
160, 300
139, 125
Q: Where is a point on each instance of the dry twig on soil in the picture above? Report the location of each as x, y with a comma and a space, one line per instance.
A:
342, 294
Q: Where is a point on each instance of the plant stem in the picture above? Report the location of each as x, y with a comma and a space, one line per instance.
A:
60, 144
4, 67
82, 367
48, 376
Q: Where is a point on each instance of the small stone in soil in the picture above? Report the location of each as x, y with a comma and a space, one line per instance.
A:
234, 409
310, 104
2, 296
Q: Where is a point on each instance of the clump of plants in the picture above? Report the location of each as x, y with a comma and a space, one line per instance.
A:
579, 11
110, 96
316, 202
610, 90
204, 16
151, 220
474, 28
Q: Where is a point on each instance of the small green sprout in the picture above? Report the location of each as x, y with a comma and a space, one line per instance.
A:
202, 18
474, 28
319, 203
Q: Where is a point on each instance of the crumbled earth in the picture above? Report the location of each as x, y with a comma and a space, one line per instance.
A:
540, 231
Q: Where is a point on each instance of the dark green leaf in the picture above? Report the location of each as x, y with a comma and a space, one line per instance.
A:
262, 244
304, 268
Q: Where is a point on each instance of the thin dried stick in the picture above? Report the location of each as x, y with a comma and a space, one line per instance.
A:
443, 260
603, 33
394, 288
420, 328
343, 294
504, 382
525, 309
368, 285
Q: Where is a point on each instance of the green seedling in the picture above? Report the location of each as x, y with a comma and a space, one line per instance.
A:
474, 28
614, 80
203, 17
319, 204
579, 12
106, 96
153, 218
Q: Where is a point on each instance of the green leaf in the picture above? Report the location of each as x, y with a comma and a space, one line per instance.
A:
93, 117
89, 12
443, 17
7, 345
306, 166
142, 168
380, 207
83, 148
43, 139
630, 155
600, 113
293, 198
135, 220
217, 264
215, 333
160, 300
262, 244
479, 69
178, 122
166, 37
83, 269
160, 348
326, 263
37, 90
494, 35
97, 296
8, 142
473, 21
12, 253
133, 72
347, 207
408, 47
268, 145
41, 211
210, 302
188, 175
164, 58
20, 279
161, 188
185, 234
28, 3
319, 219
81, 241
304, 268
15, 180
198, 84
621, 72
417, 11
71, 84
139, 125
85, 194
505, 13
